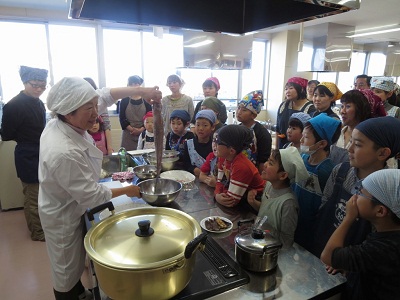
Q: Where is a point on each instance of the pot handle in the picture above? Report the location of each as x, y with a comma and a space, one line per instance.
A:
241, 222
92, 211
193, 244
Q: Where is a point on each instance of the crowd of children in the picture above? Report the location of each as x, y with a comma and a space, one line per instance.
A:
327, 185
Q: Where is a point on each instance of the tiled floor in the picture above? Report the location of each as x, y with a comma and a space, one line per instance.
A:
24, 264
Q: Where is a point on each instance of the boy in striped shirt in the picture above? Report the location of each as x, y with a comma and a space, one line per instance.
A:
236, 173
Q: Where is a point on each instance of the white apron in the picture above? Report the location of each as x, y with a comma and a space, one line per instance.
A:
69, 169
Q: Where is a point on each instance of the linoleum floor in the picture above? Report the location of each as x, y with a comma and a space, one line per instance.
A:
24, 264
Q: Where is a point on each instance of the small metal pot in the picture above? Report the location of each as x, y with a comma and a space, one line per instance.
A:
134, 260
256, 251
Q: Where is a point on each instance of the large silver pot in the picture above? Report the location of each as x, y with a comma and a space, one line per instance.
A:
256, 250
143, 253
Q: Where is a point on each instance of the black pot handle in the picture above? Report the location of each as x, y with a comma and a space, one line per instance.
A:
192, 245
92, 211
241, 222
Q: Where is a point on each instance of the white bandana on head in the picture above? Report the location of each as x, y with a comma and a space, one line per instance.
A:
384, 185
293, 164
69, 94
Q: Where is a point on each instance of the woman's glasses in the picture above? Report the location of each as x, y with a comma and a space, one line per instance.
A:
38, 86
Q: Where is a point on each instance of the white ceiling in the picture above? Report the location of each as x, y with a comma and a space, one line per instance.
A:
372, 13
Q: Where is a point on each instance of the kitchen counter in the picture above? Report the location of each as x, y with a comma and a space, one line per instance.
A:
299, 274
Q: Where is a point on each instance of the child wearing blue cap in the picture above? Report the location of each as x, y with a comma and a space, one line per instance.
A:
179, 122
198, 148
294, 133
318, 135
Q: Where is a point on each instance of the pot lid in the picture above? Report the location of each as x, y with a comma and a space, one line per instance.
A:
257, 243
118, 242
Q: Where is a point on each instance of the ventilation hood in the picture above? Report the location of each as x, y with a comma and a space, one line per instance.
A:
326, 48
231, 16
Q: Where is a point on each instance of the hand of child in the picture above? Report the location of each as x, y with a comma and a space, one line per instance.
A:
332, 270
211, 181
225, 200
351, 208
251, 197
196, 172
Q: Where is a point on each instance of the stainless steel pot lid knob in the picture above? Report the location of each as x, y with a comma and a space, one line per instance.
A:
144, 229
257, 234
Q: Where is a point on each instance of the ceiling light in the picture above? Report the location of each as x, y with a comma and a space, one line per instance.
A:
199, 44
374, 32
204, 60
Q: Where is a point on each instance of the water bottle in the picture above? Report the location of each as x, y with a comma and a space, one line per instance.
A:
122, 159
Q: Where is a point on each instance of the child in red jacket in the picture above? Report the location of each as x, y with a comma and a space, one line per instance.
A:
236, 173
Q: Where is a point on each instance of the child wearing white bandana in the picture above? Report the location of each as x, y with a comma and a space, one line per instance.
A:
376, 261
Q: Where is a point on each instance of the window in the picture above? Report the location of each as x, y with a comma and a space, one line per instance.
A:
377, 63
161, 57
122, 56
346, 79
253, 79
22, 44
73, 51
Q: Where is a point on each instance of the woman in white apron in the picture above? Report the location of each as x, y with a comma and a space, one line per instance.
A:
69, 169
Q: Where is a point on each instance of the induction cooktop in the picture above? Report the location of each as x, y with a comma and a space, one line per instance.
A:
215, 272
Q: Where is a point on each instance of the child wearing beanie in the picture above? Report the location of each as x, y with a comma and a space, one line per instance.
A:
236, 173
197, 148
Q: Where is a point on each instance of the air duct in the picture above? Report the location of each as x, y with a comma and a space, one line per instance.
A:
326, 48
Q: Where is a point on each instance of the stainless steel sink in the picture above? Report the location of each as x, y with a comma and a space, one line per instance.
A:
111, 164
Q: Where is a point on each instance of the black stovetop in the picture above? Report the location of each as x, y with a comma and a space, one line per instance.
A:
215, 272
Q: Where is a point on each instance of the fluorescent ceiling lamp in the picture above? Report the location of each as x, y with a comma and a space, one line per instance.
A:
339, 50
204, 60
374, 32
229, 55
199, 44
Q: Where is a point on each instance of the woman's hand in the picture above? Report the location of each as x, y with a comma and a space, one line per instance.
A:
152, 95
132, 191
136, 131
225, 200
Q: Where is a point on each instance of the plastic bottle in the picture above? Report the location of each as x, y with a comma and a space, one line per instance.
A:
122, 159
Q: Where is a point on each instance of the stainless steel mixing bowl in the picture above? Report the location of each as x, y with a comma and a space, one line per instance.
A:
159, 191
168, 161
145, 172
